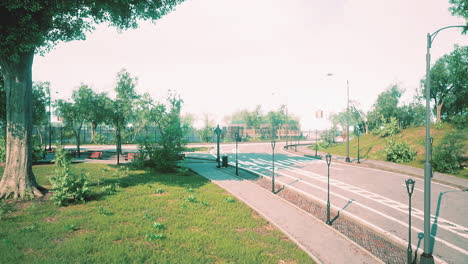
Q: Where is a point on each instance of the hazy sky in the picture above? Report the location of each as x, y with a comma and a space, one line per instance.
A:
226, 55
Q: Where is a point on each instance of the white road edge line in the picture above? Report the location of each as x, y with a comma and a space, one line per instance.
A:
370, 209
377, 228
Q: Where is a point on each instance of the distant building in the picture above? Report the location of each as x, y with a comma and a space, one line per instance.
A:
264, 132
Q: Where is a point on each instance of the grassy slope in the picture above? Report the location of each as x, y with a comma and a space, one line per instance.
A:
199, 221
372, 146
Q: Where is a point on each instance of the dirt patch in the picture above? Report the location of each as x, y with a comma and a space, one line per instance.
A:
263, 230
255, 215
51, 219
58, 240
28, 251
241, 230
286, 261
158, 194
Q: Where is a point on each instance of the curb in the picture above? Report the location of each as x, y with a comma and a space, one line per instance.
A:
295, 206
396, 241
317, 260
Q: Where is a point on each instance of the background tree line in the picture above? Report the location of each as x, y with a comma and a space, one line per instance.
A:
449, 97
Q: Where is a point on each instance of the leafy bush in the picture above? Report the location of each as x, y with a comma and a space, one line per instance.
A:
459, 121
67, 186
399, 151
389, 128
38, 151
183, 169
328, 137
99, 139
109, 189
448, 154
206, 134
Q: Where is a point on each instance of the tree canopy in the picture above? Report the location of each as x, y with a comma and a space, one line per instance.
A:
460, 8
449, 84
40, 25
27, 27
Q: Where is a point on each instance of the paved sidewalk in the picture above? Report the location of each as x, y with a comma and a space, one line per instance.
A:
388, 166
323, 243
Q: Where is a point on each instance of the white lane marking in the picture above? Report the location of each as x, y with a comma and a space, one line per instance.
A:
359, 218
234, 151
375, 211
443, 223
366, 168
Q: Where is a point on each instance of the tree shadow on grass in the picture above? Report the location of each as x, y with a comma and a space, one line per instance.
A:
148, 176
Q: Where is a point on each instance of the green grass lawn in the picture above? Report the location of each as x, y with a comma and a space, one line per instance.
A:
372, 146
197, 149
151, 218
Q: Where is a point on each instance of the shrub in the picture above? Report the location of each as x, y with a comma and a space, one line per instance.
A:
448, 154
399, 151
99, 139
389, 128
68, 187
328, 137
459, 121
183, 169
38, 151
109, 189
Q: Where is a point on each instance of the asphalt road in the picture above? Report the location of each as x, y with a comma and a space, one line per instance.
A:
376, 198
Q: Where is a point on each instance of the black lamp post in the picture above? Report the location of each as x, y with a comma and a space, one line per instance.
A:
409, 189
328, 159
273, 144
238, 138
218, 133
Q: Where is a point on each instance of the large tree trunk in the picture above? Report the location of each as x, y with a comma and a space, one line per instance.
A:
18, 179
118, 140
93, 131
78, 141
439, 110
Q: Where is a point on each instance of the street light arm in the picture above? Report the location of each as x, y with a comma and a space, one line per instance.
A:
434, 35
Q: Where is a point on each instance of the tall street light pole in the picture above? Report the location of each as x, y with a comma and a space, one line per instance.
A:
328, 159
273, 144
426, 257
347, 118
238, 138
347, 121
